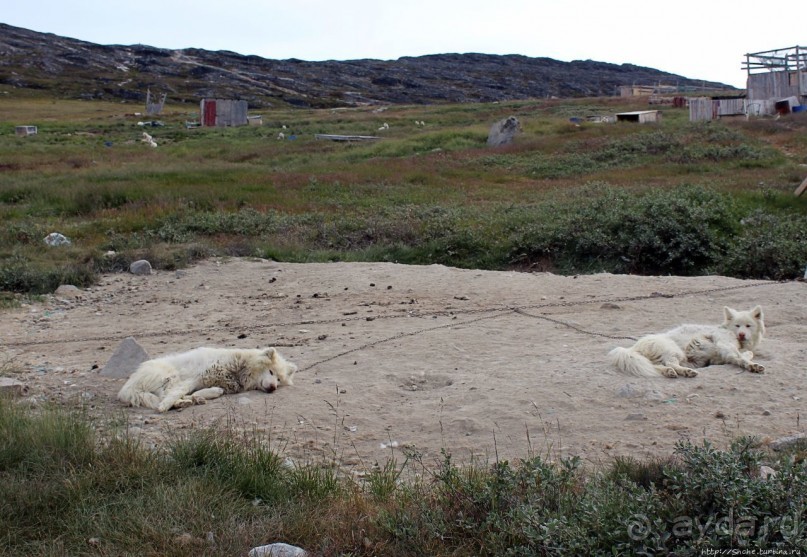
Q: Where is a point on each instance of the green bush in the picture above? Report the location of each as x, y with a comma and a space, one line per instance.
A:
767, 246
678, 231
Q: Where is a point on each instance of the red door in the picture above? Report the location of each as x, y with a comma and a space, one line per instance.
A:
209, 118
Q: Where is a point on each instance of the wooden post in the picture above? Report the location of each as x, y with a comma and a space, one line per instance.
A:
801, 188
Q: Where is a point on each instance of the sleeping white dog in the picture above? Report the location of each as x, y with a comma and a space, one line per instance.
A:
196, 376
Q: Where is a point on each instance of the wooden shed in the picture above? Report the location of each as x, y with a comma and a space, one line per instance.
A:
640, 116
223, 112
777, 74
703, 109
22, 131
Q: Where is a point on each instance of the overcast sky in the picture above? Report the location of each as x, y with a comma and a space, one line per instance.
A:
703, 39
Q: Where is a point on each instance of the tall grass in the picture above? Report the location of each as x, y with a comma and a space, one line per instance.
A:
67, 490
676, 198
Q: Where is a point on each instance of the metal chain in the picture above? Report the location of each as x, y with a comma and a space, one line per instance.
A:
518, 309
404, 335
569, 325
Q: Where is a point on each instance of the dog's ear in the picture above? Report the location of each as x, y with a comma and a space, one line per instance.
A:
729, 313
756, 313
271, 353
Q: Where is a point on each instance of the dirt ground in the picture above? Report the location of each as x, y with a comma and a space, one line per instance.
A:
483, 364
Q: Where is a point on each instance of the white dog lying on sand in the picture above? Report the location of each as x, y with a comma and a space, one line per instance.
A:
667, 354
196, 376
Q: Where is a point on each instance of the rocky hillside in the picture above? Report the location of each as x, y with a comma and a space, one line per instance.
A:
71, 68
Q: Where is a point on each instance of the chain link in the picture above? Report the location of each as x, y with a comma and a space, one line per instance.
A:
501, 310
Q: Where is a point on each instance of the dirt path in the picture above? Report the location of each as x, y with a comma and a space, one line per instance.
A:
425, 357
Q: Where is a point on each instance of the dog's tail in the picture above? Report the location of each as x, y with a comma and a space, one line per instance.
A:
631, 362
140, 388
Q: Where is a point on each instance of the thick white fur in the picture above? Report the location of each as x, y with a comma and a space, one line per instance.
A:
185, 378
667, 354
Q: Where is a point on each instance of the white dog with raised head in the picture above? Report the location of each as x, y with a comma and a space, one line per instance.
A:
669, 354
196, 376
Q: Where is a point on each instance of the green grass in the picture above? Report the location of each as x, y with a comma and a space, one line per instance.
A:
598, 197
68, 490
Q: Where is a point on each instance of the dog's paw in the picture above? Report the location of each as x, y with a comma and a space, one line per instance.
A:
756, 368
669, 372
687, 372
183, 402
198, 399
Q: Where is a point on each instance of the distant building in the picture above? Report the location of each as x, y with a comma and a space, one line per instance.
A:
22, 131
777, 79
223, 112
640, 116
646, 90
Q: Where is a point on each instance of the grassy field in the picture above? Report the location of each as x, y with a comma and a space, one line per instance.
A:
670, 198
677, 197
67, 491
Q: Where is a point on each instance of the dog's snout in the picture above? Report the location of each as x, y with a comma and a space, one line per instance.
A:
271, 388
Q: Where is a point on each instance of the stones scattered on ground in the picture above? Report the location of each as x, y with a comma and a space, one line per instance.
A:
140, 267
125, 359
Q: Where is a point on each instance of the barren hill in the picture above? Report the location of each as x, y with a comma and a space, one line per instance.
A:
70, 68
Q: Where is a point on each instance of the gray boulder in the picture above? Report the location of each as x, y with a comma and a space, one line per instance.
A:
125, 360
503, 131
140, 267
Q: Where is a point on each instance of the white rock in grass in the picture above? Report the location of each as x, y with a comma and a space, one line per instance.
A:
277, 550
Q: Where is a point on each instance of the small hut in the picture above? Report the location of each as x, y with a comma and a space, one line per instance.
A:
223, 112
640, 116
23, 131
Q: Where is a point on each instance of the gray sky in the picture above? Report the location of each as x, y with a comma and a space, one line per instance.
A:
705, 39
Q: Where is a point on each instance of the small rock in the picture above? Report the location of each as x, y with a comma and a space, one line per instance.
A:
503, 132
277, 550
610, 305
766, 472
67, 291
628, 390
719, 415
140, 267
184, 539
637, 416
56, 239
790, 441
12, 387
766, 412
125, 360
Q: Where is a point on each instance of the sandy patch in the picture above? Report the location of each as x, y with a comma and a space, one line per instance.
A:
427, 357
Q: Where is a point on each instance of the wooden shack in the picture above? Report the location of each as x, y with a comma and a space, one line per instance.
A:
640, 116
23, 131
223, 112
777, 74
704, 109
